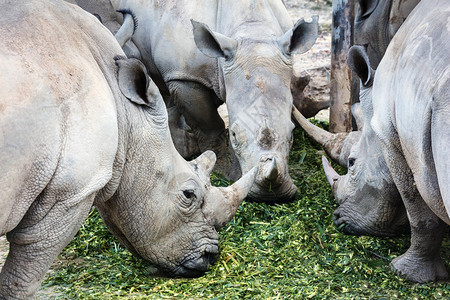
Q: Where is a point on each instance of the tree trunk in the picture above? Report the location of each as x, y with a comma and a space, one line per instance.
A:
341, 89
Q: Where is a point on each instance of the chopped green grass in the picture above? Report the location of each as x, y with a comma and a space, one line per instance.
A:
284, 251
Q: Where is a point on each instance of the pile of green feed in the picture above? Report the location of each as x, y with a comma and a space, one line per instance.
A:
283, 251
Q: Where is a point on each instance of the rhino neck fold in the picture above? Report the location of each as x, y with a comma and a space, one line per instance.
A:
137, 134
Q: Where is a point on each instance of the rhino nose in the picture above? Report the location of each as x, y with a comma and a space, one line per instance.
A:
197, 266
345, 225
337, 218
266, 157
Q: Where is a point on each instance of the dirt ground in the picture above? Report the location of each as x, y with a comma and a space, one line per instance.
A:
315, 62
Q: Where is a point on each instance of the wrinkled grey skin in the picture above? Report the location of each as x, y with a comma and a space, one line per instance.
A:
358, 193
238, 52
79, 127
369, 203
407, 119
376, 22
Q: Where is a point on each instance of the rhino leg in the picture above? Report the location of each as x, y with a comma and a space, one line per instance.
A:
198, 105
422, 261
34, 244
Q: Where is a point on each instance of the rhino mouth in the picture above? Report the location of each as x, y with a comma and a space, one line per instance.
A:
198, 262
356, 225
262, 193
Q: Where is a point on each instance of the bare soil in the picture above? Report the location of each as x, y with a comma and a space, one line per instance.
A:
316, 63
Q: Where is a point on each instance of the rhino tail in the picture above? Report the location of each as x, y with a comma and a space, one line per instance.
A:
441, 156
129, 25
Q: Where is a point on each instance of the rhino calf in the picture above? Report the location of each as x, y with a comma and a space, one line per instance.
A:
81, 125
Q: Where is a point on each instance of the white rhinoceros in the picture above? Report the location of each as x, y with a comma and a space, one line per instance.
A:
402, 158
82, 125
243, 57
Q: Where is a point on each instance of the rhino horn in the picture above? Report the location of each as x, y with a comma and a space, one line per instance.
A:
332, 176
222, 203
331, 142
271, 173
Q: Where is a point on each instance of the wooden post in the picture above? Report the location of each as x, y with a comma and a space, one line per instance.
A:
341, 89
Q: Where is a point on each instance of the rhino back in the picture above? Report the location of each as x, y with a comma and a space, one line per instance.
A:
165, 39
252, 19
410, 97
101, 8
58, 126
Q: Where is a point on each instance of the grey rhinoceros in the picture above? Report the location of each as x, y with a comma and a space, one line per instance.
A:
377, 21
243, 57
82, 125
402, 159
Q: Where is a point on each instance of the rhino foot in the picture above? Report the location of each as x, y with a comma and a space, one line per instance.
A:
419, 269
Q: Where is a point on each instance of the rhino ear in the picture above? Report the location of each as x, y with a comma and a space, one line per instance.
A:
366, 7
359, 62
135, 84
204, 164
211, 43
301, 37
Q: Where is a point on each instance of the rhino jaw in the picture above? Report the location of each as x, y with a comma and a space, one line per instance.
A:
198, 263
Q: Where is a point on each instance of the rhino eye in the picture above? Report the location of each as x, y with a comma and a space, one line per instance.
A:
189, 194
234, 139
187, 200
351, 162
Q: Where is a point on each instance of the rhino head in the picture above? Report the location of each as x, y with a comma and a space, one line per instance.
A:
376, 22
164, 208
369, 202
257, 75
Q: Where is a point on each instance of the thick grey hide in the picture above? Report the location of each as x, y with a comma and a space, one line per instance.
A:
81, 126
377, 21
238, 52
403, 151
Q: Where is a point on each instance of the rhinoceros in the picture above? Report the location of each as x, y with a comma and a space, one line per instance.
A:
238, 52
82, 125
377, 21
402, 157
